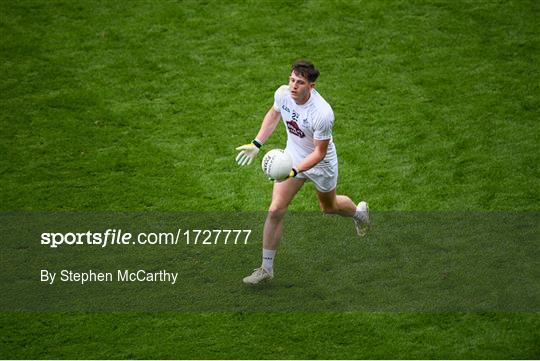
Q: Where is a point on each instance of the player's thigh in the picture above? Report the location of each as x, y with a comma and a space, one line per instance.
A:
327, 200
284, 192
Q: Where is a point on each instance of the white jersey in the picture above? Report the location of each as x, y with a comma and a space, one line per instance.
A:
305, 123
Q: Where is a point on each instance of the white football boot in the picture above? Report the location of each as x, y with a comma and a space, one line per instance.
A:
258, 275
362, 223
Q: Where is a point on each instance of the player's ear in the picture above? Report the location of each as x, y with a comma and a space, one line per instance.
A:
312, 85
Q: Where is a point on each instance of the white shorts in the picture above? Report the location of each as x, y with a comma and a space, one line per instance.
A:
324, 177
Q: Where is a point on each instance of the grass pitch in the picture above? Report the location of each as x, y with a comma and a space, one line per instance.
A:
138, 106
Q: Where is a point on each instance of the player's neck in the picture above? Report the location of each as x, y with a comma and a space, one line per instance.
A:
303, 102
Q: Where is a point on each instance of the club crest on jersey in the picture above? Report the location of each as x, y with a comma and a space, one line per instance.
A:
293, 128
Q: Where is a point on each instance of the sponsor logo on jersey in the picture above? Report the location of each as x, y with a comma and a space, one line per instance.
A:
285, 108
293, 128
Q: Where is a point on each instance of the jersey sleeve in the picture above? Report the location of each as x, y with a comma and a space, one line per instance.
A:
322, 127
279, 97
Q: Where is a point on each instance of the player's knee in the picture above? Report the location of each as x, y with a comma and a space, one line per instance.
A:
276, 211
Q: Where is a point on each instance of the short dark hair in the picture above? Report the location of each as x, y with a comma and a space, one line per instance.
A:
305, 69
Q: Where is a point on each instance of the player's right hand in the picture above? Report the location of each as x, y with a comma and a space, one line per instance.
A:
248, 152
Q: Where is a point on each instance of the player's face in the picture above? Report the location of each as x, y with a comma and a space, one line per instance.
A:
300, 88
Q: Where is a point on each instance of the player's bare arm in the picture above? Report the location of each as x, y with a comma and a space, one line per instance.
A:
270, 121
312, 159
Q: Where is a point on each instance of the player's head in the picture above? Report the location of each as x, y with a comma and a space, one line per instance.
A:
305, 69
302, 80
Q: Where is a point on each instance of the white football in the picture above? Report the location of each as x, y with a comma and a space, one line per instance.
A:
276, 164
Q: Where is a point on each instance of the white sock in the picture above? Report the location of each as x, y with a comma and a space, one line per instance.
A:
268, 259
